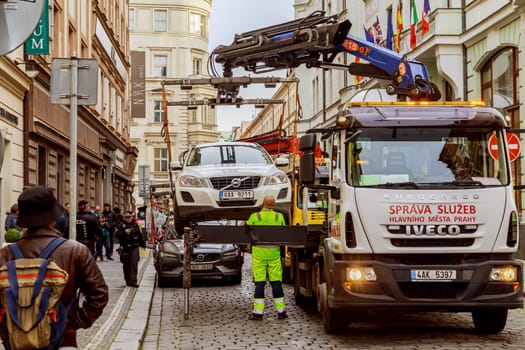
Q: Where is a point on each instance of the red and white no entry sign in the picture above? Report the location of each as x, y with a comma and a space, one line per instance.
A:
513, 145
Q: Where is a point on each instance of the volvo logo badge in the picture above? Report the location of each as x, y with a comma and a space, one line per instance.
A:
236, 182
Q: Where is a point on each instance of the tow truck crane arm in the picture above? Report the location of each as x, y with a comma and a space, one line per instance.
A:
315, 41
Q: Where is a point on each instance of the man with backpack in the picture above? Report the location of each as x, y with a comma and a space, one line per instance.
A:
74, 271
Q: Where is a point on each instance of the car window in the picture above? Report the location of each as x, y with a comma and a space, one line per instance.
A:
227, 154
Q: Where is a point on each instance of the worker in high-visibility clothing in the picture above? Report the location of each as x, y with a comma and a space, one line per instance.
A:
266, 262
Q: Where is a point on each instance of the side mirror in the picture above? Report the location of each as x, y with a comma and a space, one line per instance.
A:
176, 165
281, 161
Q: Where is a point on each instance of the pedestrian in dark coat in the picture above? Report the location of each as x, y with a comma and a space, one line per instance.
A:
63, 222
38, 212
88, 229
11, 219
130, 238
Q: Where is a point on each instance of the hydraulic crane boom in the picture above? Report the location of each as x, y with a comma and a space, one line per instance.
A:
315, 41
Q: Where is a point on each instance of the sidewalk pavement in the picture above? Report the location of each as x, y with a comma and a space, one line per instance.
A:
132, 332
123, 324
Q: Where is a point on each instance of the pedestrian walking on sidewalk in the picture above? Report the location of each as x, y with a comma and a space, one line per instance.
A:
103, 243
130, 238
266, 262
38, 212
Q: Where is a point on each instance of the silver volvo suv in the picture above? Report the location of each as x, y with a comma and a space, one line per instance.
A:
227, 180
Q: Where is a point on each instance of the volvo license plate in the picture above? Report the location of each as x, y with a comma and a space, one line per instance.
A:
200, 267
226, 195
432, 275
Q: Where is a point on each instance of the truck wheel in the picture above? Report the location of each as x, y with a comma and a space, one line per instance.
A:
334, 321
287, 274
489, 321
300, 299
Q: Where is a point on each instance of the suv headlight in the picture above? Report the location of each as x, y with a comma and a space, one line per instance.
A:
170, 250
277, 179
190, 181
230, 253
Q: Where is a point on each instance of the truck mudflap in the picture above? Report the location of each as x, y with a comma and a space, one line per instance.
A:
464, 287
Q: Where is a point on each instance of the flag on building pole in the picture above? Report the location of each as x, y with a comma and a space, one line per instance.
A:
424, 20
413, 24
399, 25
389, 31
379, 32
369, 35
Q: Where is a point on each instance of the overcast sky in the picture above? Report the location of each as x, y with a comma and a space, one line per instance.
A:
230, 17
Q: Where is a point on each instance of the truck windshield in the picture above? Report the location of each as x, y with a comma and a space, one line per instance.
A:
428, 156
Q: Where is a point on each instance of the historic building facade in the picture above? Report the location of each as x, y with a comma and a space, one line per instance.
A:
14, 86
37, 132
169, 42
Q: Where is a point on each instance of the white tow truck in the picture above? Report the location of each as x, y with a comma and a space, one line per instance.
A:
421, 213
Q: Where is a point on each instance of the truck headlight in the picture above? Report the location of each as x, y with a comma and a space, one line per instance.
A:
190, 181
504, 274
360, 274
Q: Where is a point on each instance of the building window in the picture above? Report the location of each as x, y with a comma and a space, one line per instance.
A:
160, 20
160, 158
131, 20
193, 117
197, 66
499, 79
158, 112
197, 24
208, 117
499, 84
160, 65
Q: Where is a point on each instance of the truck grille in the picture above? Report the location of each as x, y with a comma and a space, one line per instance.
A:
439, 242
245, 182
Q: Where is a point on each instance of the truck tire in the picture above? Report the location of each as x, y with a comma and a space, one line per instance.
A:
489, 321
334, 321
287, 275
300, 300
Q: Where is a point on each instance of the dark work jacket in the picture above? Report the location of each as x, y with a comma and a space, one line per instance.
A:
130, 236
88, 228
84, 276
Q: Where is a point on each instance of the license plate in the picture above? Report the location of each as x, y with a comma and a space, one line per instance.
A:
225, 195
201, 267
432, 275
